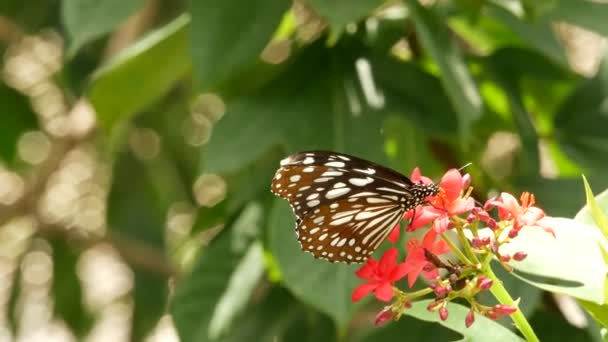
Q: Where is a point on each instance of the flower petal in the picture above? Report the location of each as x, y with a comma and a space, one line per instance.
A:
368, 270
362, 291
423, 216
388, 261
398, 272
394, 235
451, 184
384, 292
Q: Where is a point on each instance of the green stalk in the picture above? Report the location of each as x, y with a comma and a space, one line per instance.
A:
503, 297
466, 245
455, 249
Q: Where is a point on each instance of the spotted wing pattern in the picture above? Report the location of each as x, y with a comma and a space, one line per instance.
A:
344, 206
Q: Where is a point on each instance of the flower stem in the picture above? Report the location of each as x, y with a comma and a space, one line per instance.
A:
466, 245
503, 297
455, 249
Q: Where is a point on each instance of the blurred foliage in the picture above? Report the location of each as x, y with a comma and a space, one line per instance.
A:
169, 119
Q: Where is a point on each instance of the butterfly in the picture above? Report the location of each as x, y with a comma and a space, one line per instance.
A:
344, 206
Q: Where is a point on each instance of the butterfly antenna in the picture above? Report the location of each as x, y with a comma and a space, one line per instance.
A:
465, 166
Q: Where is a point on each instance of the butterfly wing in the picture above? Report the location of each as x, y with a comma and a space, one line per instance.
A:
344, 206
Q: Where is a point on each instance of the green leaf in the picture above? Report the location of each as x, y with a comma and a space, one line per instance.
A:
66, 289
581, 121
406, 86
323, 285
136, 210
221, 51
338, 13
594, 212
17, 118
141, 74
414, 329
242, 186
584, 13
551, 326
536, 34
484, 329
298, 112
571, 262
86, 20
598, 312
455, 76
207, 300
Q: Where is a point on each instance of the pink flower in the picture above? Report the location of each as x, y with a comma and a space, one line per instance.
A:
380, 275
416, 261
524, 215
447, 203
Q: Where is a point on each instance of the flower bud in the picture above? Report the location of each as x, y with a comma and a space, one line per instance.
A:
468, 321
407, 304
475, 211
383, 316
476, 242
489, 204
443, 313
513, 233
491, 314
466, 181
504, 309
434, 305
505, 258
486, 240
471, 218
519, 256
483, 283
491, 223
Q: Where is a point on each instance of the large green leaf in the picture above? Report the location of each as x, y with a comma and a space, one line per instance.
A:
406, 88
455, 76
323, 285
572, 262
66, 289
580, 124
536, 34
484, 329
242, 186
136, 210
585, 13
17, 117
221, 51
86, 20
141, 74
341, 12
299, 112
595, 212
207, 301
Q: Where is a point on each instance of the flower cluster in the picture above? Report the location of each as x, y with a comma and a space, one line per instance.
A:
451, 269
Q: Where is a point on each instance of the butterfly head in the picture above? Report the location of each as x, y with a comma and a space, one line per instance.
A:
422, 191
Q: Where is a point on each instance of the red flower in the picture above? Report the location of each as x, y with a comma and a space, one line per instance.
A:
447, 203
381, 276
524, 215
415, 177
416, 261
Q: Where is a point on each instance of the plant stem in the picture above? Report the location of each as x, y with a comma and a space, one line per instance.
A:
466, 245
455, 249
503, 297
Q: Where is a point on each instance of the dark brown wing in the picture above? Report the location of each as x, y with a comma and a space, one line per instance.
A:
344, 206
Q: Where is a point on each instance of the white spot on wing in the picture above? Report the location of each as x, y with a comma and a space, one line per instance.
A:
312, 196
295, 178
308, 169
308, 160
313, 203
331, 194
335, 164
360, 181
